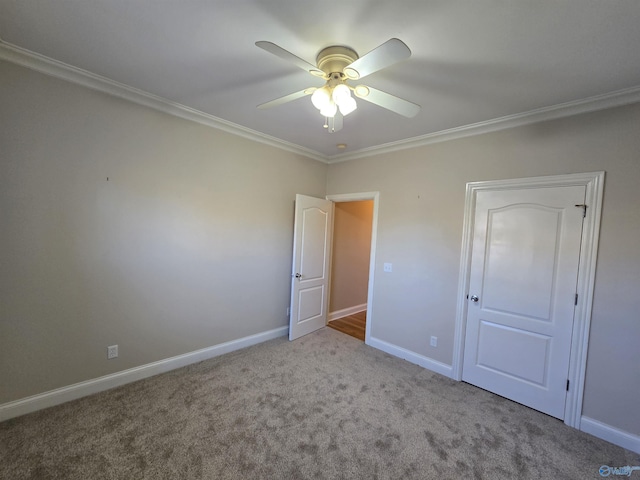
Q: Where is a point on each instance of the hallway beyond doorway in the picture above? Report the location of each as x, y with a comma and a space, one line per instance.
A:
353, 325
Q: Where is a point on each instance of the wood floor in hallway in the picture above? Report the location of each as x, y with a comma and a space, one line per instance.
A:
353, 325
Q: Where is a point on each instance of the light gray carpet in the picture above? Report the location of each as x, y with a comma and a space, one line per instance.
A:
324, 406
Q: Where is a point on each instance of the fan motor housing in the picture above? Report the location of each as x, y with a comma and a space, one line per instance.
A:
334, 59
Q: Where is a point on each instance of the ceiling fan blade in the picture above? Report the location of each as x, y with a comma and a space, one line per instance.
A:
335, 123
390, 52
290, 57
388, 101
286, 98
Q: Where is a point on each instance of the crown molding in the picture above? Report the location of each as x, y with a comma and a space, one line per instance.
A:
567, 109
55, 68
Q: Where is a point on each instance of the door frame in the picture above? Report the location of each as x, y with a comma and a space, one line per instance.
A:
594, 183
355, 197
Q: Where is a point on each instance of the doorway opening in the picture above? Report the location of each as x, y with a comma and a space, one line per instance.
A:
353, 263
350, 257
311, 269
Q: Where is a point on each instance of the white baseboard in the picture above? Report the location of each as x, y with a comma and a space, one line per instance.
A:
89, 387
412, 357
610, 434
345, 312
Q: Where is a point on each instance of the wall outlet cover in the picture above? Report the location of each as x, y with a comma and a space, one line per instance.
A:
112, 352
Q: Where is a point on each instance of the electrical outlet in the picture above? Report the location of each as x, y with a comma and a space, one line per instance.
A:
388, 267
434, 341
112, 352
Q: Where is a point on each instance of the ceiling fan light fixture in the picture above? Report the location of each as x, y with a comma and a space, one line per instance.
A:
329, 110
321, 98
341, 93
348, 105
337, 65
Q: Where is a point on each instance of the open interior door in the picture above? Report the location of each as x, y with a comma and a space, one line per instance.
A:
310, 270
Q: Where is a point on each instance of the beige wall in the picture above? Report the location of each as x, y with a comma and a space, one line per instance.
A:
186, 245
351, 253
420, 231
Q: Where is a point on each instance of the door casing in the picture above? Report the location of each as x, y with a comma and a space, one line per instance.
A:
594, 183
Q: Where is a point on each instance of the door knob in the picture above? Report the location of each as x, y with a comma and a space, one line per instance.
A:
474, 298
298, 276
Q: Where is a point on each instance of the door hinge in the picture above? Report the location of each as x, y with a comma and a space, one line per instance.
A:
584, 209
575, 301
567, 385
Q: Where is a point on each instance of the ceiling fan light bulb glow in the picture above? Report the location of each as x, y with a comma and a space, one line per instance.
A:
321, 98
329, 110
348, 106
341, 93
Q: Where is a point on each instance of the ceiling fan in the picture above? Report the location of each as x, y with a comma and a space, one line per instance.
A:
338, 65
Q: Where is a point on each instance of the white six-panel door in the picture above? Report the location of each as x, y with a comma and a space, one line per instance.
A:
310, 272
524, 266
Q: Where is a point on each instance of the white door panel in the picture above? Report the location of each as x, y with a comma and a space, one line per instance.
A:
524, 266
502, 349
313, 253
310, 303
513, 247
310, 275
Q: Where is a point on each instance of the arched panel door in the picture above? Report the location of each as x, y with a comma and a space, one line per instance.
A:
524, 269
310, 273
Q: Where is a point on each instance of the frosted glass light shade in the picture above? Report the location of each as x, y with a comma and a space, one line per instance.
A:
330, 110
341, 93
348, 105
321, 98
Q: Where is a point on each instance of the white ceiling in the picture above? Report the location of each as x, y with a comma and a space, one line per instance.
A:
472, 61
